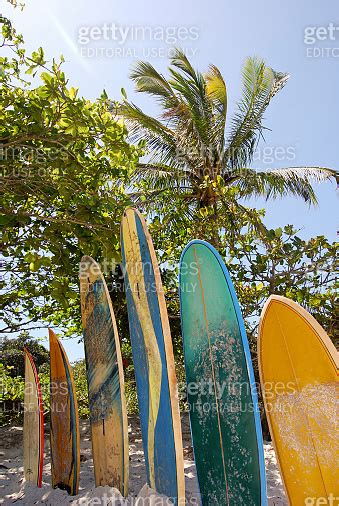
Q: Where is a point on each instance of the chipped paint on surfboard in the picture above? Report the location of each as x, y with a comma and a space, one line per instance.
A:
105, 378
33, 431
224, 413
298, 367
64, 423
153, 359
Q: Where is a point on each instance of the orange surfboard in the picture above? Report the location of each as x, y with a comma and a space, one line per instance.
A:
65, 433
298, 367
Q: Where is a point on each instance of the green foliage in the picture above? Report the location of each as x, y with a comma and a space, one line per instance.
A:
279, 262
190, 151
181, 379
67, 168
131, 396
261, 262
12, 390
80, 382
12, 354
130, 385
11, 395
64, 166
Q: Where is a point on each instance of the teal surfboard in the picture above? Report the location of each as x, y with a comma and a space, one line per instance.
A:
224, 414
153, 360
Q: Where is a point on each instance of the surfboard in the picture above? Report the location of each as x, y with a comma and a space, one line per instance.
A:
105, 377
64, 420
298, 367
153, 360
221, 391
33, 431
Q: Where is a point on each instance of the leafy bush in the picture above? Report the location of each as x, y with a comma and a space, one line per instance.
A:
12, 392
12, 353
12, 395
80, 382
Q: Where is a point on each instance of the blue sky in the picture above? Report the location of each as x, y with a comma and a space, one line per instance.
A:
303, 118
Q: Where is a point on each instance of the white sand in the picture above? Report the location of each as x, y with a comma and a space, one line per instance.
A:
14, 490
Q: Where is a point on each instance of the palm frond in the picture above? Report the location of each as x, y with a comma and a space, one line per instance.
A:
194, 112
275, 183
318, 174
142, 127
260, 85
217, 94
187, 142
191, 85
136, 118
148, 80
216, 88
161, 176
180, 61
196, 120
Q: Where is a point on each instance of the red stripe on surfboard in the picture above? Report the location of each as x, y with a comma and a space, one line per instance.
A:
41, 418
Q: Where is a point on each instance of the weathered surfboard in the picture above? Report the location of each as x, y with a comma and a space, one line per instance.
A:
64, 423
153, 360
33, 432
224, 414
299, 369
105, 379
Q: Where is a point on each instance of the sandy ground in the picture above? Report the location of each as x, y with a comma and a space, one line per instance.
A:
13, 490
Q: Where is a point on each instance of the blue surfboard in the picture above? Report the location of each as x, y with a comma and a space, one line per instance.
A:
153, 360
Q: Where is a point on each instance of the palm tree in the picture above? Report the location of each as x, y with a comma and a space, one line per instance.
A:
189, 149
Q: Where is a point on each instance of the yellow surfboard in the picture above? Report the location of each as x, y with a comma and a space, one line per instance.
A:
105, 377
153, 357
298, 367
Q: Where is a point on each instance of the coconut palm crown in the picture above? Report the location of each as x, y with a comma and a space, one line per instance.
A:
188, 145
